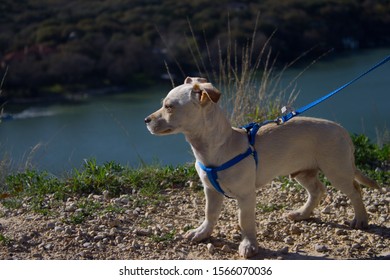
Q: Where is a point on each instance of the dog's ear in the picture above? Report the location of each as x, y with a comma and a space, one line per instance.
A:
207, 93
191, 80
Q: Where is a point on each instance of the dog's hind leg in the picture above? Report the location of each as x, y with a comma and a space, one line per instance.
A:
351, 188
315, 189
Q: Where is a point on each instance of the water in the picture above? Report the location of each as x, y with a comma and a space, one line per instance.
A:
362, 107
59, 138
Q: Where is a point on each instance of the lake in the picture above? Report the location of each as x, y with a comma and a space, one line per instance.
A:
59, 138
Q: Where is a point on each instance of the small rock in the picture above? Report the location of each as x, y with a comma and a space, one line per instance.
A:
71, 207
135, 245
356, 246
327, 210
68, 230
142, 232
24, 239
137, 211
226, 248
113, 231
106, 195
210, 248
341, 232
295, 229
124, 199
289, 240
37, 256
58, 229
372, 208
114, 223
236, 236
321, 248
50, 225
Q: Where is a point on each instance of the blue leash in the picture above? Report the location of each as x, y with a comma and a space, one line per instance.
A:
252, 128
299, 111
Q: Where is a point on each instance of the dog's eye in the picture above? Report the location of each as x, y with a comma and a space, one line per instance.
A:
168, 107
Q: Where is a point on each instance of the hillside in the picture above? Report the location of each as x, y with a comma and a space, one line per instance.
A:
54, 46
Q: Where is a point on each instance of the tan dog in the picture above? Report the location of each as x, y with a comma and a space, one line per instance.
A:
300, 147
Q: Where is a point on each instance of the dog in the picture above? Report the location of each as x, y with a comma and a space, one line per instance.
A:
300, 148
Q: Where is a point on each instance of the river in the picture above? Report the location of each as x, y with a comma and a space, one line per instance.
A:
58, 138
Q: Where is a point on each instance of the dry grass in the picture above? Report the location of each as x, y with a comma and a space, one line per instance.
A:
1, 91
246, 75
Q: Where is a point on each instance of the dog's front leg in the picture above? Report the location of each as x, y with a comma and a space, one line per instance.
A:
212, 211
247, 219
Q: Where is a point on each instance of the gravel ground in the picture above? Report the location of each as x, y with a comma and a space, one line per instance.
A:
100, 227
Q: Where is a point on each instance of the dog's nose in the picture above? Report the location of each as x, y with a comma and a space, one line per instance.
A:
148, 119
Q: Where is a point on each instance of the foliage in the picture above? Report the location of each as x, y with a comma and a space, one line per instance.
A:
372, 159
150, 181
81, 44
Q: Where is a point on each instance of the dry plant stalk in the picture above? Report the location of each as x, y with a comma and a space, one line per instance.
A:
251, 85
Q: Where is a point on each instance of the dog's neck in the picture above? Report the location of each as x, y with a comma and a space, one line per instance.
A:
211, 142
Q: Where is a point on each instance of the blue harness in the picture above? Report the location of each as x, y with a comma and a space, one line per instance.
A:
252, 128
212, 172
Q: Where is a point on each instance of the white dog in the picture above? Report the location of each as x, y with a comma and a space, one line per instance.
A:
300, 147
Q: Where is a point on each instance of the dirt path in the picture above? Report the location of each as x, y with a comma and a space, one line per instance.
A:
130, 227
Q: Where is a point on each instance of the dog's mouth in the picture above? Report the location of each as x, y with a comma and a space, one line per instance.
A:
166, 131
160, 132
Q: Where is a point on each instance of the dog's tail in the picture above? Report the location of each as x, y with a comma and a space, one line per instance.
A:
364, 180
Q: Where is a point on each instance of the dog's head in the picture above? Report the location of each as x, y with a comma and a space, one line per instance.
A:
183, 106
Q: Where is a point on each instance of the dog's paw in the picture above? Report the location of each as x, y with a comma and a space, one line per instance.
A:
201, 233
247, 248
298, 215
359, 224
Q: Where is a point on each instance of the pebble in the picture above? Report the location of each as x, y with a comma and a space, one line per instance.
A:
70, 207
327, 210
210, 248
295, 229
143, 232
289, 240
341, 232
226, 248
68, 230
356, 246
106, 195
58, 229
114, 223
321, 248
37, 256
50, 225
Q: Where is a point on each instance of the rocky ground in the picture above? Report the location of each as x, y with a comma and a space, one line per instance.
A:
131, 227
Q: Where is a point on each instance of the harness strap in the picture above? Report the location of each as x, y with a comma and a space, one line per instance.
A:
212, 172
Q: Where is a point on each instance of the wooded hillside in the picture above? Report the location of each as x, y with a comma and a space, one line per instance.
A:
58, 45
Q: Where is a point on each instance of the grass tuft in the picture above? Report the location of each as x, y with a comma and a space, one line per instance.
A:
40, 190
